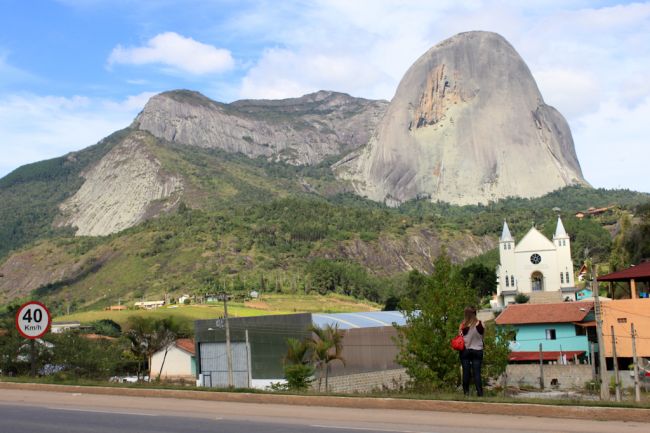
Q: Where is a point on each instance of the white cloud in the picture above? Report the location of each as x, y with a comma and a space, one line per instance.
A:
177, 52
318, 71
612, 145
577, 92
33, 128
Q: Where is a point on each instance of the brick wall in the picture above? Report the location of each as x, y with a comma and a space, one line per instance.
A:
566, 376
366, 382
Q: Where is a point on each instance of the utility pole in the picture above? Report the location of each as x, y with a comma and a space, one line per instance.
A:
592, 361
604, 389
617, 378
637, 388
541, 367
228, 348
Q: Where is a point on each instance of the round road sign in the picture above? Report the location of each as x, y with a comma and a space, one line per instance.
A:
33, 320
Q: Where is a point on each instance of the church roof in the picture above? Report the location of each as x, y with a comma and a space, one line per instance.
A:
559, 230
534, 240
505, 234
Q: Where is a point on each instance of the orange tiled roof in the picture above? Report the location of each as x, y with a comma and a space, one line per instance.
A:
520, 314
187, 344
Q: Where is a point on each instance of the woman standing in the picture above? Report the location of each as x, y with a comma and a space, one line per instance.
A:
471, 358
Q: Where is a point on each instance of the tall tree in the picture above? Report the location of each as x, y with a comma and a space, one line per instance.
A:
432, 319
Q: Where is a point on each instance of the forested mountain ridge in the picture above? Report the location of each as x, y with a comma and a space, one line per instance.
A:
255, 193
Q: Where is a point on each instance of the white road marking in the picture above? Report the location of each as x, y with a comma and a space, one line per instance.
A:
101, 411
365, 429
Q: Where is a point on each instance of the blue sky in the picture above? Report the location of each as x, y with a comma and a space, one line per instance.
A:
73, 71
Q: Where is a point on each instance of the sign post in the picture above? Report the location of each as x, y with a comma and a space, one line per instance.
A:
33, 321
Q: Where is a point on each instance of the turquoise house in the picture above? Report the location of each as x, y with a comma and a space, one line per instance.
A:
564, 330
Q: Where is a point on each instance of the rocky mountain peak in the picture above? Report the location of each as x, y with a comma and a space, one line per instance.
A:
467, 125
301, 131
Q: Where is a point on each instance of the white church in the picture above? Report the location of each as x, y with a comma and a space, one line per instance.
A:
537, 267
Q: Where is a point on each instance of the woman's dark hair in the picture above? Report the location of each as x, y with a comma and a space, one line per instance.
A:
470, 317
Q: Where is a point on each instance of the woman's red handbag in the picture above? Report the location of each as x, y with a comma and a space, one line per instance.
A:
458, 343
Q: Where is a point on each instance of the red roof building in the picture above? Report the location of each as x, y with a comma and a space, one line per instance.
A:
632, 275
565, 312
559, 332
187, 344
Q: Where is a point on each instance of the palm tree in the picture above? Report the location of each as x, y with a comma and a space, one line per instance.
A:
296, 351
297, 368
326, 346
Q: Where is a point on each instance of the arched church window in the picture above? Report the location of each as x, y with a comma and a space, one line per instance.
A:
567, 277
561, 278
507, 282
512, 280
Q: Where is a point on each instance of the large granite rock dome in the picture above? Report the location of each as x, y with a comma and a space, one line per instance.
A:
467, 124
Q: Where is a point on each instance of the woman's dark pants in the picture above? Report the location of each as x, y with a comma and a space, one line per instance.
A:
471, 360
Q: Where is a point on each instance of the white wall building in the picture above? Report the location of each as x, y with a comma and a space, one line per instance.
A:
540, 268
180, 362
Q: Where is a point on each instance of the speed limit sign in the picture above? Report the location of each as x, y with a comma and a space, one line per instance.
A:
33, 320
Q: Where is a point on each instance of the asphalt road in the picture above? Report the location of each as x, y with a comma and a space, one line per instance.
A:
54, 412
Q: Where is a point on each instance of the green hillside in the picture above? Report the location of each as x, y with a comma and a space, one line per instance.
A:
247, 224
30, 195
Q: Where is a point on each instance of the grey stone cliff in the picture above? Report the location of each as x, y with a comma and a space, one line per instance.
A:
467, 125
300, 131
124, 188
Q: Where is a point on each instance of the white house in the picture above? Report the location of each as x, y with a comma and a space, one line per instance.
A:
149, 305
59, 327
179, 363
536, 266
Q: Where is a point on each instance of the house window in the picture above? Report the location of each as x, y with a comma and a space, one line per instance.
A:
581, 330
622, 320
561, 277
550, 334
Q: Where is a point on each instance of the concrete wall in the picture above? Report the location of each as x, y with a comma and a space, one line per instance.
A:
366, 382
567, 376
620, 314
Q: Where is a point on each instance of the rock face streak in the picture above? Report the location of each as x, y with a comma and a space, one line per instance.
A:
467, 125
124, 188
300, 131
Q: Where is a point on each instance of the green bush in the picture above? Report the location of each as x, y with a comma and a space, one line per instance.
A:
298, 376
521, 298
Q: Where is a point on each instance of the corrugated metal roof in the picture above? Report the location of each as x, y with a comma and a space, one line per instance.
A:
366, 319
